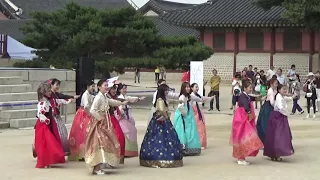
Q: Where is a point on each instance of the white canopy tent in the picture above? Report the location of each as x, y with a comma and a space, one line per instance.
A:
17, 50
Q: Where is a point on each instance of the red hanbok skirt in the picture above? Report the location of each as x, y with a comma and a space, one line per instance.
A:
77, 137
120, 136
47, 145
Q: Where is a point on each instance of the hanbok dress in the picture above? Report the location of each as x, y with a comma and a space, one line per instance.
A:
264, 114
77, 137
161, 147
114, 117
57, 100
244, 137
199, 116
171, 95
128, 127
47, 139
102, 145
278, 135
186, 128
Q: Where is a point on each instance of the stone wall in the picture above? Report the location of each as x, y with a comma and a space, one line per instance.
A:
36, 76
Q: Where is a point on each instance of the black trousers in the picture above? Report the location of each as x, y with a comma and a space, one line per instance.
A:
309, 101
216, 94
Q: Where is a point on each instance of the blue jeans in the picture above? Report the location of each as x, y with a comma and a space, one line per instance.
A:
296, 106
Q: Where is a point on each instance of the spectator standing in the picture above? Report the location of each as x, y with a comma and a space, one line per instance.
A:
280, 77
317, 82
156, 74
163, 72
215, 85
250, 73
137, 75
270, 73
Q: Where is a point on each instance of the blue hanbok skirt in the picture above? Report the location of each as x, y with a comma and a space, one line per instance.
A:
161, 147
263, 118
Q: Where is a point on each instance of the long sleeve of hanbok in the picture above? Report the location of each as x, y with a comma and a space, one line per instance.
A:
95, 109
244, 101
63, 101
43, 108
270, 96
182, 101
113, 102
172, 95
280, 104
131, 99
161, 108
63, 96
85, 101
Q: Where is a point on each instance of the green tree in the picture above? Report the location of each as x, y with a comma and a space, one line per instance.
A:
306, 12
115, 38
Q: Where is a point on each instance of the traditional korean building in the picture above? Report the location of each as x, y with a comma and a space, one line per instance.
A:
240, 33
154, 8
15, 13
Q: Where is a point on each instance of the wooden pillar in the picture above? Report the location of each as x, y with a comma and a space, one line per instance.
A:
311, 49
201, 35
236, 49
273, 45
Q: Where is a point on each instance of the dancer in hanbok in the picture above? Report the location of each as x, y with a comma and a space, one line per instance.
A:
244, 137
266, 110
102, 148
47, 140
161, 147
199, 116
114, 116
127, 122
278, 135
81, 120
185, 123
171, 95
63, 99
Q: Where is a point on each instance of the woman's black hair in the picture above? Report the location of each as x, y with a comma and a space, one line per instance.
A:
55, 81
280, 86
245, 84
120, 86
184, 92
161, 93
238, 76
100, 82
192, 86
274, 77
89, 83
183, 89
298, 77
160, 81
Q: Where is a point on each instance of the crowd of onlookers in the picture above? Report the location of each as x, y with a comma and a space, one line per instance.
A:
260, 82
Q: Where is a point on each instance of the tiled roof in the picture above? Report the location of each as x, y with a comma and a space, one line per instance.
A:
227, 13
12, 28
29, 6
160, 6
166, 29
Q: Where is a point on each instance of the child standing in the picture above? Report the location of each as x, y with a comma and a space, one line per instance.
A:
244, 137
278, 135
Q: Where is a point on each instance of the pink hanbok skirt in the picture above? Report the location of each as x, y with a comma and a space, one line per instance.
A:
244, 137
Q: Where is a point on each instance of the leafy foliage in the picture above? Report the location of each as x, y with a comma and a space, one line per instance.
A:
114, 38
306, 12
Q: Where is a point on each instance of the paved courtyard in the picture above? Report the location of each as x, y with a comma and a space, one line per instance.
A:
215, 162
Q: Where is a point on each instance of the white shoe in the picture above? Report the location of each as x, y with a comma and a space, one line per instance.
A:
308, 115
314, 116
100, 172
243, 162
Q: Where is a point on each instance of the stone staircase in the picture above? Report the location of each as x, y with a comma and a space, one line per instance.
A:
18, 104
